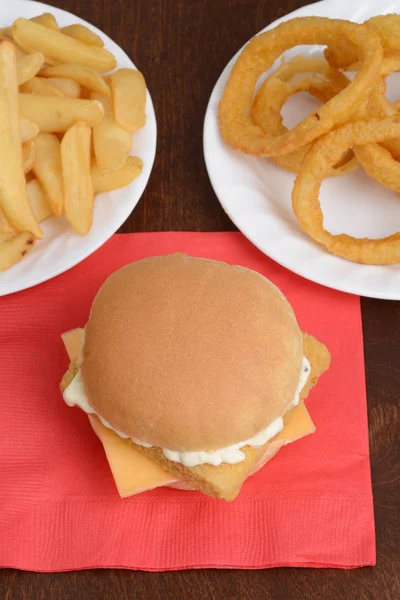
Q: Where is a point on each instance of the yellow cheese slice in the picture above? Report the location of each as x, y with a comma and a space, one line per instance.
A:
73, 341
299, 425
135, 473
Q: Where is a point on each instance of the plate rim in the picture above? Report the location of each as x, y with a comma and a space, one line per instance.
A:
15, 286
208, 118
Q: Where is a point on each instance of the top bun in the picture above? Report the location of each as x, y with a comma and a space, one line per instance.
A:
190, 354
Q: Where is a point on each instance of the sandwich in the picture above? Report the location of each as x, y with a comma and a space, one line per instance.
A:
193, 374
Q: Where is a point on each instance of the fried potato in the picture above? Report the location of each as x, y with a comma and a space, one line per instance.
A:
61, 48
47, 20
13, 197
111, 142
13, 247
59, 114
48, 170
38, 199
128, 89
5, 226
19, 52
82, 75
5, 31
28, 129
41, 87
28, 155
78, 187
84, 34
68, 87
28, 66
106, 181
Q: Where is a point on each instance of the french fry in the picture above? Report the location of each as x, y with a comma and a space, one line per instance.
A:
106, 181
28, 155
28, 66
28, 130
13, 197
13, 247
59, 114
41, 87
78, 187
128, 89
48, 170
83, 75
5, 226
19, 52
111, 142
47, 20
84, 34
39, 202
68, 87
61, 48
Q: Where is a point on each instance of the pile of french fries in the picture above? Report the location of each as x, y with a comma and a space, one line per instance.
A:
65, 128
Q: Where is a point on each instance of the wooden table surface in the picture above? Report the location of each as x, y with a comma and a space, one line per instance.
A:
182, 47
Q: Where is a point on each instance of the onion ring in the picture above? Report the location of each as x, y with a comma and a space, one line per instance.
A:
305, 196
393, 146
390, 65
379, 164
380, 161
343, 53
258, 56
324, 83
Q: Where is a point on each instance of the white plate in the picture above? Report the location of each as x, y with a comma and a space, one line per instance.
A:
256, 194
61, 247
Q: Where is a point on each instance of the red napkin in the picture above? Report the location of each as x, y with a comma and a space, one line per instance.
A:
311, 506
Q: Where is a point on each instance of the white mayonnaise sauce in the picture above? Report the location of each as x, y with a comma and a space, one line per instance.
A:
74, 395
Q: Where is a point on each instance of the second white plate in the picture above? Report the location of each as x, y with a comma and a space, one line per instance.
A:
256, 194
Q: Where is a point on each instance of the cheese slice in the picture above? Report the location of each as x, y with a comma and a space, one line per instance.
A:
73, 341
299, 425
135, 473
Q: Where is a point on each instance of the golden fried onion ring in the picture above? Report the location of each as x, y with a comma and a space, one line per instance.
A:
323, 83
378, 163
305, 196
258, 56
375, 162
342, 53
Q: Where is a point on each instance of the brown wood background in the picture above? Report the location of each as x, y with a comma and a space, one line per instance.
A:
182, 46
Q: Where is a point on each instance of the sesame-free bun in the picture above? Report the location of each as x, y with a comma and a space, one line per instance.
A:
190, 354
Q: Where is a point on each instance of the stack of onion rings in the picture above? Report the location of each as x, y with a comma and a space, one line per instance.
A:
258, 56
355, 124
